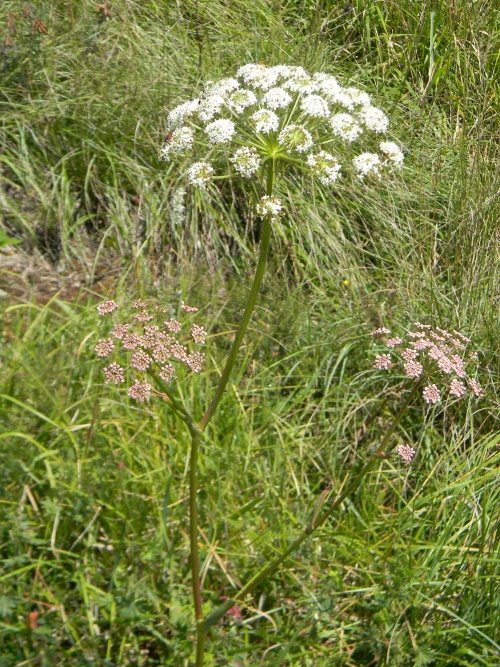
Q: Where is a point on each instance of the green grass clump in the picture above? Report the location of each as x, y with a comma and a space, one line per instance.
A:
93, 487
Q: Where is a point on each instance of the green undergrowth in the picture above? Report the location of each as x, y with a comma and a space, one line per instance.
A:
94, 498
93, 487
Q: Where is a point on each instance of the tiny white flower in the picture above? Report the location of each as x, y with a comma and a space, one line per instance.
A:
296, 137
220, 131
271, 206
315, 105
366, 163
241, 99
374, 118
246, 161
210, 106
325, 166
345, 126
393, 153
200, 173
265, 121
277, 98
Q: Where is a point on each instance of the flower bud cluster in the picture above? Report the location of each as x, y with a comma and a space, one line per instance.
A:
151, 342
282, 112
438, 357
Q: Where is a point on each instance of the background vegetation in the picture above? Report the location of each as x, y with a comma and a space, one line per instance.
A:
93, 488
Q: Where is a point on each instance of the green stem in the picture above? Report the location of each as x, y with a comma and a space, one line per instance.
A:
254, 292
193, 524
316, 523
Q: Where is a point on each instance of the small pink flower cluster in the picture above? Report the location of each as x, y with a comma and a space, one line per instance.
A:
441, 355
150, 345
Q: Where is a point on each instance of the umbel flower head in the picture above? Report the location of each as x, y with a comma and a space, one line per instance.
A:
308, 121
150, 344
438, 358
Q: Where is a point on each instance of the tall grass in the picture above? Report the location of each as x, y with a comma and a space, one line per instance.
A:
93, 490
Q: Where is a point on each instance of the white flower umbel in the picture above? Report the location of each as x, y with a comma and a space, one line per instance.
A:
265, 121
358, 97
200, 173
258, 76
277, 116
277, 98
374, 119
296, 137
178, 207
222, 87
325, 166
220, 131
179, 140
315, 105
271, 206
181, 112
345, 126
301, 84
366, 164
241, 99
209, 107
246, 161
393, 153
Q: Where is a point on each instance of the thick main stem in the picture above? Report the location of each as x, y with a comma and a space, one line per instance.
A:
320, 520
193, 522
252, 298
196, 431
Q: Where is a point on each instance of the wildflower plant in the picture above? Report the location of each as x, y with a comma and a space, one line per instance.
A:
256, 125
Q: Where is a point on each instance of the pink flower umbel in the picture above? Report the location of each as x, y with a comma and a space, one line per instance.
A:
106, 307
406, 453
188, 309
413, 369
114, 373
431, 394
140, 391
104, 347
443, 360
140, 360
382, 362
457, 388
198, 334
475, 387
167, 373
152, 345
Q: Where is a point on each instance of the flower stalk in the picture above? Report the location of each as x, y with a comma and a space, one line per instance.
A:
252, 298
